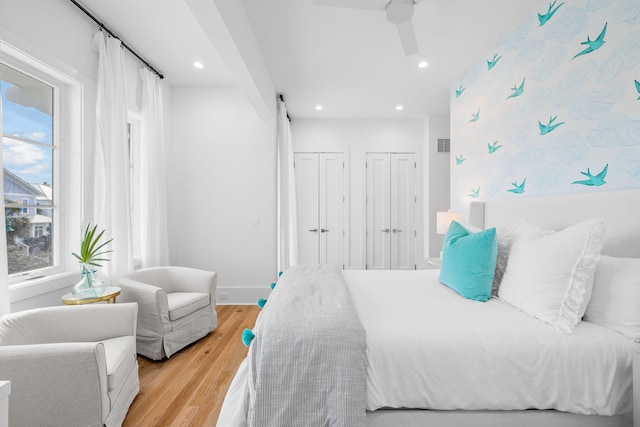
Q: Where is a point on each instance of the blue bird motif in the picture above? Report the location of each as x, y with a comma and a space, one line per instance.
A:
475, 116
459, 91
545, 129
594, 180
518, 189
475, 193
460, 159
593, 45
517, 90
637, 88
492, 63
493, 147
544, 18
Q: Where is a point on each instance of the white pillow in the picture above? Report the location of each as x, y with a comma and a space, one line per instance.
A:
508, 233
615, 301
551, 277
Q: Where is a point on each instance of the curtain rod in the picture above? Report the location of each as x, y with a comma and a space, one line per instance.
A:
111, 33
281, 98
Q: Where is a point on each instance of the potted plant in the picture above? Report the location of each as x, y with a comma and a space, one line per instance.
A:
90, 257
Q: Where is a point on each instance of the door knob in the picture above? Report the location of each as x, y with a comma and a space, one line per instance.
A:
324, 230
314, 230
386, 230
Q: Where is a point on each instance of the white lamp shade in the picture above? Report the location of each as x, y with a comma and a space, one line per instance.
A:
443, 220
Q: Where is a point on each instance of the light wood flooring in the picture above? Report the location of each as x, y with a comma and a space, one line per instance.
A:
188, 389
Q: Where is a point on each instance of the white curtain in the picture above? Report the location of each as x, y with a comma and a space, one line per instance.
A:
287, 215
5, 306
112, 204
153, 206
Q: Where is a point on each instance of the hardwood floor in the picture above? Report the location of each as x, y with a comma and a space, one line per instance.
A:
188, 389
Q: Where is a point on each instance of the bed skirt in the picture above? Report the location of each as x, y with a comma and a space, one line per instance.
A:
233, 414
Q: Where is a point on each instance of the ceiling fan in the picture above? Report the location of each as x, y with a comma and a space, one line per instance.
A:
398, 12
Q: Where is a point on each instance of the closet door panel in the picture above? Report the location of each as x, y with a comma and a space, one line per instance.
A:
307, 194
403, 200
378, 234
331, 218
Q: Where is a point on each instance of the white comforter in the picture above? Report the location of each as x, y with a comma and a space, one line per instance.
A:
427, 347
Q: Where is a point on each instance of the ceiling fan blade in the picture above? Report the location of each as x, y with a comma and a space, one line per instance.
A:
379, 5
408, 37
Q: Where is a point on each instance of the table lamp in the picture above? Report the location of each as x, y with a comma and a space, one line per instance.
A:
443, 220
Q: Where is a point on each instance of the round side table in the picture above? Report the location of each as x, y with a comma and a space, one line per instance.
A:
109, 295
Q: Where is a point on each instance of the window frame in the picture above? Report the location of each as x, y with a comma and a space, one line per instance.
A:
67, 185
134, 135
46, 78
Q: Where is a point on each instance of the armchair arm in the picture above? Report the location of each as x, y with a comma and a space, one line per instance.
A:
153, 308
45, 378
186, 279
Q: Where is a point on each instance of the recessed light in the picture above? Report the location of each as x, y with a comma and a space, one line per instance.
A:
198, 65
318, 107
399, 107
423, 64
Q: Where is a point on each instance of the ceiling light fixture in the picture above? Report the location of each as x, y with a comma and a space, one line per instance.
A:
399, 107
423, 64
199, 65
318, 107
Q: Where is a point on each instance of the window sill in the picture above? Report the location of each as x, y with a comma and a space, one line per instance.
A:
42, 285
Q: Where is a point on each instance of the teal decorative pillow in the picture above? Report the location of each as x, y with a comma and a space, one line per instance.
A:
469, 261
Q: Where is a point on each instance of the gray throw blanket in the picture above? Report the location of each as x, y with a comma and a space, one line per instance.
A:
307, 362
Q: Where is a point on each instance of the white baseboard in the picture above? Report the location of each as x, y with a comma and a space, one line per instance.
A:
241, 296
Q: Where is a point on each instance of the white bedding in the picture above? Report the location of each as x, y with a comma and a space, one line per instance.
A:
427, 347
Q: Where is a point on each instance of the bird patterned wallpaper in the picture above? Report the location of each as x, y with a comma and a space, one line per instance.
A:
554, 109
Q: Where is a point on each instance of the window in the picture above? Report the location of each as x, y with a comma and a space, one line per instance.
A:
134, 124
29, 154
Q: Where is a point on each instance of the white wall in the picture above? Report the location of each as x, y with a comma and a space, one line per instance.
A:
59, 35
438, 179
221, 190
591, 94
355, 138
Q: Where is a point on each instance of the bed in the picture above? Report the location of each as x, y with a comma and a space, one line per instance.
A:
417, 353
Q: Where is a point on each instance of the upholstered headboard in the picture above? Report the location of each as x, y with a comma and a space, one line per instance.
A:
620, 210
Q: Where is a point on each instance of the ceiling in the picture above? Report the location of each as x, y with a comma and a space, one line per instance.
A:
349, 61
168, 36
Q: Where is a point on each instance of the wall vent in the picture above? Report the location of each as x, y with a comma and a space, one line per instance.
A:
444, 145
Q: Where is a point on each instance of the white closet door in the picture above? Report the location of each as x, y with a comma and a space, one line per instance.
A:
306, 170
378, 211
320, 198
331, 217
403, 210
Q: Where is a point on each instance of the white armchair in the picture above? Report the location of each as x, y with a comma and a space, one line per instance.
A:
70, 365
177, 306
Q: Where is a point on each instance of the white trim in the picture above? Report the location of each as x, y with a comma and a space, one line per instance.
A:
36, 287
241, 296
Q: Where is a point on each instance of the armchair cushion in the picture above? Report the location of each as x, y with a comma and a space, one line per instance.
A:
184, 303
120, 357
